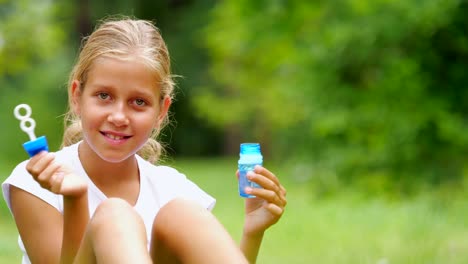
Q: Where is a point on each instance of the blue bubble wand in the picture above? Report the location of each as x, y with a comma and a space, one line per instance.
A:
34, 145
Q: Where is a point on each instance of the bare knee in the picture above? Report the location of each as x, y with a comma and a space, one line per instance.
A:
175, 213
189, 233
112, 212
169, 241
117, 234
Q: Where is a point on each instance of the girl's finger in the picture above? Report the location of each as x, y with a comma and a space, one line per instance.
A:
42, 162
32, 162
274, 209
48, 172
263, 181
263, 171
267, 183
267, 195
283, 191
56, 181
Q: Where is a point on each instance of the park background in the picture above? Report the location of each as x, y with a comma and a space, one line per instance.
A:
361, 108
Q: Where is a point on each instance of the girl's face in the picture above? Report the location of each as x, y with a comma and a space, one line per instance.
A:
119, 107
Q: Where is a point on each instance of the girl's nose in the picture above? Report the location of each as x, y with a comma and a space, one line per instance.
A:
118, 116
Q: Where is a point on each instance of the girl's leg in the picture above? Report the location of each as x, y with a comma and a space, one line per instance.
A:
185, 232
115, 234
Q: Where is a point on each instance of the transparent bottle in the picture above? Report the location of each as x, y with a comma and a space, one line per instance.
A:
249, 156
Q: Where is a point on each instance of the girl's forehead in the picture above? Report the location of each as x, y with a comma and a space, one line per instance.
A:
127, 71
128, 59
126, 64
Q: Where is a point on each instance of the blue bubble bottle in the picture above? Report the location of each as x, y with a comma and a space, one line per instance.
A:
249, 156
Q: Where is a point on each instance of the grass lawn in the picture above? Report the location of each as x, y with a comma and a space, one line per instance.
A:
341, 229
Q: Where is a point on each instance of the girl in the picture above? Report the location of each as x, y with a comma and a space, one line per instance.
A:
97, 200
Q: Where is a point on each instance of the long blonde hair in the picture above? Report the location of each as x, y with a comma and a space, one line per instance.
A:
122, 38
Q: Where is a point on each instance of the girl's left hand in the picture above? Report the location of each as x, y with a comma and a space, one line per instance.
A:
268, 206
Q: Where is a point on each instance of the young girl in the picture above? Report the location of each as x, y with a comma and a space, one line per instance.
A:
97, 200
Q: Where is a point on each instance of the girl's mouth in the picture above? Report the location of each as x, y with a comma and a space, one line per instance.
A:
114, 136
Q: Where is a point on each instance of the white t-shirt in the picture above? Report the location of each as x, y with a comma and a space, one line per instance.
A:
158, 185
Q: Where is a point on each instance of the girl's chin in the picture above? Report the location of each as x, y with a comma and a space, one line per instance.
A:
116, 159
110, 153
112, 156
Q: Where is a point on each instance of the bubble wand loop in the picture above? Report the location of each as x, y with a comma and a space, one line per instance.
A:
35, 145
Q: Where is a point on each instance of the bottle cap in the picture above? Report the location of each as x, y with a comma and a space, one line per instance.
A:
249, 148
35, 146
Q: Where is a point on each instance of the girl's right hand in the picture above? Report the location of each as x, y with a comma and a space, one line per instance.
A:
55, 177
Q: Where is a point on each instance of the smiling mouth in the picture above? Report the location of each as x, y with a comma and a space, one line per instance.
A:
115, 137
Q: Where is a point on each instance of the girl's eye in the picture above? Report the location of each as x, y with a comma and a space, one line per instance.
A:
103, 96
140, 102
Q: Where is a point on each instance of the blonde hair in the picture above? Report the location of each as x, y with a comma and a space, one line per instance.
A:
121, 39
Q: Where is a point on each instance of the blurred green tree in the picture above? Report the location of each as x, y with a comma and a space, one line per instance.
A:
34, 62
370, 91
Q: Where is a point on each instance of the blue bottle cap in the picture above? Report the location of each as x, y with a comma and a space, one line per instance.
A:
35, 146
250, 148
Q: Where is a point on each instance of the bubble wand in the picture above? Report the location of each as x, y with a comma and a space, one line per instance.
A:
34, 145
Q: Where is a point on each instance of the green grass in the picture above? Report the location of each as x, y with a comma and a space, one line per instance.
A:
345, 228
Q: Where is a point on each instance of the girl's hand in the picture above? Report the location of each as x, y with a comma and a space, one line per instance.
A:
55, 177
268, 206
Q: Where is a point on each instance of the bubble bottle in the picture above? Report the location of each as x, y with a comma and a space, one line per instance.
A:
249, 156
34, 145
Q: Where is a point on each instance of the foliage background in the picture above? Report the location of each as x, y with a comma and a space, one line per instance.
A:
361, 91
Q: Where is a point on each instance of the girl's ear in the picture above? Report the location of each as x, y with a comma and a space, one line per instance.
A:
75, 97
164, 108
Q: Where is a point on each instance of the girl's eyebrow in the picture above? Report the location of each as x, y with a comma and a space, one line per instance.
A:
145, 93
101, 86
137, 90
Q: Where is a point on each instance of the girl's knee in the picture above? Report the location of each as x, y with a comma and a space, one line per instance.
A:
112, 206
116, 229
177, 213
186, 231
113, 211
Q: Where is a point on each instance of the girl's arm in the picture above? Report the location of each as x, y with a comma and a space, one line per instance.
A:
75, 220
47, 234
261, 212
250, 245
39, 225
42, 228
